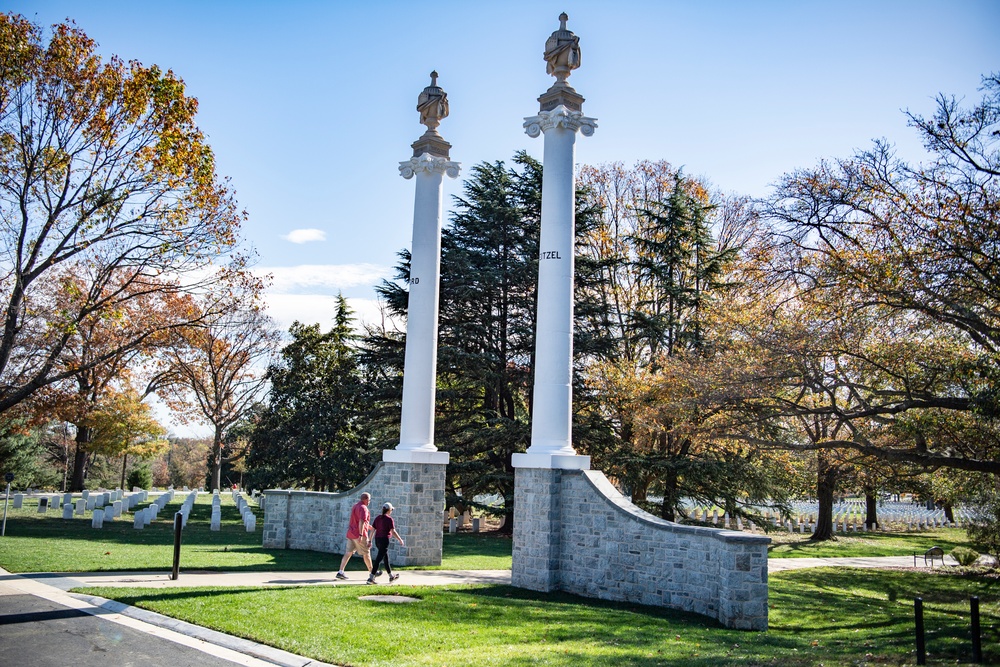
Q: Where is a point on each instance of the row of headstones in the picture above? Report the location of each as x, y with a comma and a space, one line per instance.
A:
109, 512
466, 519
146, 515
848, 517
186, 506
107, 505
892, 512
246, 513
842, 522
90, 500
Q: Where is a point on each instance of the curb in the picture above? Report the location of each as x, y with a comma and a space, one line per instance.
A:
260, 651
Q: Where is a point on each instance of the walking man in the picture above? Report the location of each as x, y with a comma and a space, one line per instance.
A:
357, 534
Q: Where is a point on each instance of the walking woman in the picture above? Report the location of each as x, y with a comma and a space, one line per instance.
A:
384, 528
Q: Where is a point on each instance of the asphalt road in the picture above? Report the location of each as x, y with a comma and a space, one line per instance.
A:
35, 632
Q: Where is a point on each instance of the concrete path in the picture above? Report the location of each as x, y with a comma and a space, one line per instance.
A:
45, 626
782, 564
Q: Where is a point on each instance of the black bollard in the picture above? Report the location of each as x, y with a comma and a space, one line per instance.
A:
918, 612
178, 525
977, 639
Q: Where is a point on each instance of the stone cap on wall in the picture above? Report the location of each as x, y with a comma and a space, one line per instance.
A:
356, 490
607, 490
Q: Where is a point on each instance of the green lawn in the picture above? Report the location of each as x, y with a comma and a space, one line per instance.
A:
823, 616
786, 545
48, 543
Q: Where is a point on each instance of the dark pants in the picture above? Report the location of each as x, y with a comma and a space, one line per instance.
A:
382, 544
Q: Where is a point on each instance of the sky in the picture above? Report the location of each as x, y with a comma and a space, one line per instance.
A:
310, 106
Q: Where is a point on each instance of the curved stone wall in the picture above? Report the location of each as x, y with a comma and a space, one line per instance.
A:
573, 531
317, 521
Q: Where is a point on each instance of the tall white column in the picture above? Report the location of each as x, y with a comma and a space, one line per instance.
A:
551, 411
560, 118
428, 165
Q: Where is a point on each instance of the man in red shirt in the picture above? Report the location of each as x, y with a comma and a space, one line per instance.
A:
357, 534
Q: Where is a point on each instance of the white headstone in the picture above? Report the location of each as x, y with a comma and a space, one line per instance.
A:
475, 524
81, 505
139, 522
453, 525
67, 498
68, 510
91, 502
43, 505
18, 500
85, 494
97, 520
116, 508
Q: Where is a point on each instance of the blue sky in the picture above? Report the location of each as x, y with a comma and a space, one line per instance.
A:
309, 106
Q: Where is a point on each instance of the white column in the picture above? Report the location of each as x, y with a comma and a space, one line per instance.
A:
416, 430
551, 411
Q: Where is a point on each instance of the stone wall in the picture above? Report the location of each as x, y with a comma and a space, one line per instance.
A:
574, 532
317, 521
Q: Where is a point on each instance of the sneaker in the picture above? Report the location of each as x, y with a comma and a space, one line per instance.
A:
371, 581
393, 577
341, 575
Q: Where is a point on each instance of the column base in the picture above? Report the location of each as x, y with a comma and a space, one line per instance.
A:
551, 461
414, 456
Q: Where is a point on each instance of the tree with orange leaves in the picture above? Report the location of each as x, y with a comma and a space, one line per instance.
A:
109, 200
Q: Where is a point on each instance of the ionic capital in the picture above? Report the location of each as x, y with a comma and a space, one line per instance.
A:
429, 164
559, 117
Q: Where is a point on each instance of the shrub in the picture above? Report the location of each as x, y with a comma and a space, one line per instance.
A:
965, 556
141, 477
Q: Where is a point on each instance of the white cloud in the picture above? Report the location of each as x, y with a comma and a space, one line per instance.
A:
305, 235
322, 278
320, 308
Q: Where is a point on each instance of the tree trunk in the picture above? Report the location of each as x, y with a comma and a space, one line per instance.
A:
124, 465
871, 511
949, 513
826, 482
508, 518
640, 488
83, 436
669, 496
217, 460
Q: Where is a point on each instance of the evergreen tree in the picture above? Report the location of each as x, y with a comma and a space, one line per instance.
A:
310, 432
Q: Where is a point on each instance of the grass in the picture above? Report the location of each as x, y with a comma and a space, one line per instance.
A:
852, 545
822, 616
48, 543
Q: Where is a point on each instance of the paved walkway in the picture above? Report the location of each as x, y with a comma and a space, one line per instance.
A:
37, 611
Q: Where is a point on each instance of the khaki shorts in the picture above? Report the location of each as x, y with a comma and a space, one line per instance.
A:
358, 545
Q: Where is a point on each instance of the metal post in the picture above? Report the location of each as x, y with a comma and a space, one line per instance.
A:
918, 612
6, 500
178, 525
977, 639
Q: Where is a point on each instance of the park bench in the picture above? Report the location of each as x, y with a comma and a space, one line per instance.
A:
930, 555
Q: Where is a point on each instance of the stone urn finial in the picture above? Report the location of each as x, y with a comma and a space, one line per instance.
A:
432, 104
562, 52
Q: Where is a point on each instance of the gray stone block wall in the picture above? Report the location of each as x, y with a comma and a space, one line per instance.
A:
317, 521
573, 531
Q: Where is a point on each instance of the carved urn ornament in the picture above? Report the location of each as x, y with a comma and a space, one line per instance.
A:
562, 52
432, 104
562, 56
